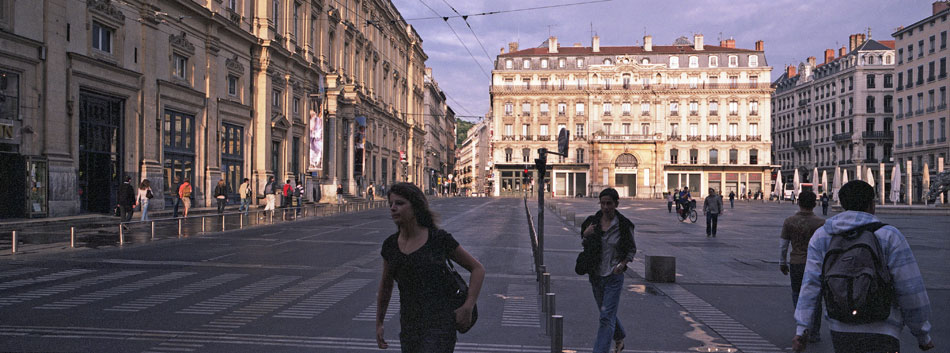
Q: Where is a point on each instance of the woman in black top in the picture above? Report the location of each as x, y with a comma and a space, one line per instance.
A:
415, 258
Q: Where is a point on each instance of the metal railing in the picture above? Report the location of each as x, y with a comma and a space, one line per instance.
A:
120, 233
553, 324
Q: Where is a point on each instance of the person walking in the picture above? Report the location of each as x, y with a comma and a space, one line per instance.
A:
245, 191
614, 233
221, 195
732, 199
669, 201
298, 193
824, 204
909, 303
286, 194
371, 192
270, 194
339, 194
126, 200
797, 231
184, 193
712, 207
415, 258
177, 198
142, 196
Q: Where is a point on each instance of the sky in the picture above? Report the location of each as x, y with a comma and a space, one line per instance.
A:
792, 30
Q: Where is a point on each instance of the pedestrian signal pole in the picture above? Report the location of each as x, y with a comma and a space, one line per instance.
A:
541, 164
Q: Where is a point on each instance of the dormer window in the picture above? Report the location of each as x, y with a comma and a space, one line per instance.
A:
713, 61
509, 64
526, 64
733, 61
753, 60
645, 61
674, 62
544, 63
580, 62
693, 61
607, 62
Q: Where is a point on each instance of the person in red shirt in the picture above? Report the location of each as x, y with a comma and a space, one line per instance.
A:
287, 191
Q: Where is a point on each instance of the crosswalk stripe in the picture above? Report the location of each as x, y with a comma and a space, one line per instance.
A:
114, 291
238, 296
369, 314
316, 304
521, 307
158, 299
20, 271
45, 278
65, 287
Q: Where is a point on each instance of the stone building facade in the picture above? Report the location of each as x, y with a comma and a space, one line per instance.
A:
440, 137
473, 157
922, 115
837, 116
97, 90
642, 119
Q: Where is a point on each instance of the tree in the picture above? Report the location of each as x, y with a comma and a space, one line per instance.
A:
461, 130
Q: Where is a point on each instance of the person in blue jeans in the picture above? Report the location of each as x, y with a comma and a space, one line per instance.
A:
617, 249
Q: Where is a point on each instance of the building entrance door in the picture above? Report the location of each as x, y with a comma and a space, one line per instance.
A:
626, 181
13, 187
100, 151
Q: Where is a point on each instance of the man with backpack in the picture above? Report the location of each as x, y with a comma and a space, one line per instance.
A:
797, 231
286, 193
868, 278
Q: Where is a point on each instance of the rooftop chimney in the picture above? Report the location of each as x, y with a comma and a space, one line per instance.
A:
552, 44
855, 41
759, 45
728, 43
502, 50
941, 6
811, 61
596, 44
829, 55
790, 71
647, 43
841, 51
578, 44
512, 47
698, 41
429, 71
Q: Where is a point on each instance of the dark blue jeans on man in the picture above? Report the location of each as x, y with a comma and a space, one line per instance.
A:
607, 291
796, 272
712, 221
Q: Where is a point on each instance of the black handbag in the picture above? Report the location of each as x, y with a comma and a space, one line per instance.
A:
589, 258
458, 294
148, 194
117, 211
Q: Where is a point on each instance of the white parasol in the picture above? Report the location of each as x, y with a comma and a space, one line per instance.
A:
797, 184
844, 177
869, 177
814, 181
778, 189
837, 183
824, 181
895, 184
926, 183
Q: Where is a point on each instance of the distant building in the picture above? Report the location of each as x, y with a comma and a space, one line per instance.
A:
922, 84
440, 141
642, 119
472, 168
836, 114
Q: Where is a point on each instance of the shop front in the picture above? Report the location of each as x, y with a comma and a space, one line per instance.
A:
570, 180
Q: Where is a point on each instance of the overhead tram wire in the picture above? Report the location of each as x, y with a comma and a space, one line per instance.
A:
507, 11
459, 39
465, 18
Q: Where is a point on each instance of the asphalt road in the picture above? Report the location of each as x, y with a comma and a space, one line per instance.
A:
310, 285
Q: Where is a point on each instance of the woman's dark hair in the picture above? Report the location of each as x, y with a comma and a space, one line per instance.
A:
610, 192
144, 184
856, 195
420, 206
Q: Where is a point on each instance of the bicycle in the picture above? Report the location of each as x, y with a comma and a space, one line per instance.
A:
682, 215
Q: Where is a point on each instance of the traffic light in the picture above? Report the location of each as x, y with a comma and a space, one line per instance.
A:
525, 178
563, 137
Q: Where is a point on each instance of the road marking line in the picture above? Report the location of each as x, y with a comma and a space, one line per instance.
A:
114, 291
520, 307
65, 287
233, 298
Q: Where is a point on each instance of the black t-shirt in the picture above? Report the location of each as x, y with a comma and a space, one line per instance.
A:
422, 277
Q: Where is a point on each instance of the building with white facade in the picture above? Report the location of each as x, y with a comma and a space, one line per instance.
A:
643, 119
473, 157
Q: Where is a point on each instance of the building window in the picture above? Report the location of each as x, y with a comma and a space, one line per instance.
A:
870, 79
607, 108
734, 130
714, 130
561, 63
693, 108
870, 104
544, 130
509, 130
674, 156
526, 64
714, 108
693, 61
753, 156
733, 156
544, 63
626, 128
232, 85
713, 61
525, 154
296, 108
561, 109
625, 108
644, 108
607, 128
509, 64
297, 21
181, 66
580, 155
276, 10
733, 108
753, 60
544, 108
674, 129
693, 130
276, 97
525, 108
754, 107
508, 154
674, 108
713, 156
733, 61
608, 62
580, 62
9, 95
694, 156
888, 81
102, 37
525, 129
578, 129
509, 108
579, 109
674, 62
645, 129
754, 129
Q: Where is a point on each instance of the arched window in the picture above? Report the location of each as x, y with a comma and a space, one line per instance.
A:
607, 62
626, 161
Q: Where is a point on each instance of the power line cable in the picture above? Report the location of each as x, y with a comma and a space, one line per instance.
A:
459, 39
464, 18
506, 11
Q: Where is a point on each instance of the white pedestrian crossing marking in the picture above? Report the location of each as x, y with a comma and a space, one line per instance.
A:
65, 287
158, 299
316, 304
20, 271
45, 278
114, 291
521, 308
369, 314
241, 295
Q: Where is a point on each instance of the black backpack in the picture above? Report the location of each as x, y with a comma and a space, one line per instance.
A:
588, 261
855, 282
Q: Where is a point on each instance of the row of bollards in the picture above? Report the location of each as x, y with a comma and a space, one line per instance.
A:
303, 213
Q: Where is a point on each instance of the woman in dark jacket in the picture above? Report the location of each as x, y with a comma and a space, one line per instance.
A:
221, 195
415, 258
617, 247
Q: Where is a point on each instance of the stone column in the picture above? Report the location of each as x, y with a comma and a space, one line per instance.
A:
328, 187
883, 183
910, 185
351, 132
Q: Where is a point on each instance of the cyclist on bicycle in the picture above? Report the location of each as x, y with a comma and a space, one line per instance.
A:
684, 201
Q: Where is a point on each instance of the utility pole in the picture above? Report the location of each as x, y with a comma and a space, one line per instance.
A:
541, 165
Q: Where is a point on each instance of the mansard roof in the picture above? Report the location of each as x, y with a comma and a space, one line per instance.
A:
621, 50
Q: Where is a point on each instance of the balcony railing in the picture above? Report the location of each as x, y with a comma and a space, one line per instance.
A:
878, 135
580, 137
508, 137
846, 136
733, 138
694, 137
605, 138
544, 137
630, 87
754, 138
870, 160
527, 137
801, 144
673, 138
713, 138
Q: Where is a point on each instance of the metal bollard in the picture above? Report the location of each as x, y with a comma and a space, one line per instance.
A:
545, 283
121, 235
202, 224
241, 221
153, 230
179, 228
557, 333
272, 216
222, 223
14, 242
72, 237
547, 316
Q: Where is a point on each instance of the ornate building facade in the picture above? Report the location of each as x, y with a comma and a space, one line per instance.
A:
472, 169
923, 119
97, 90
837, 116
642, 119
440, 137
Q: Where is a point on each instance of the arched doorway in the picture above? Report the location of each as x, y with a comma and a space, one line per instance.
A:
625, 175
